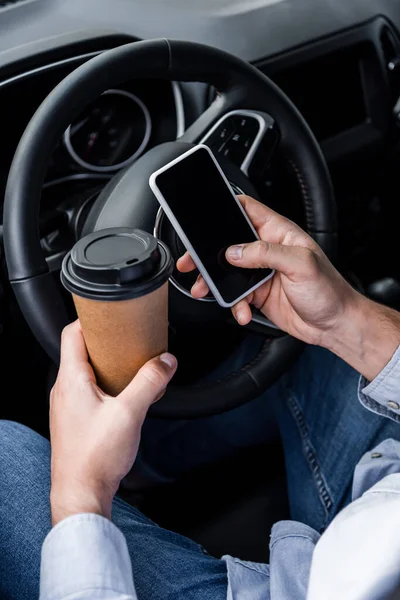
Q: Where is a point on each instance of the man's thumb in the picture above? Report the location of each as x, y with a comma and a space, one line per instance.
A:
151, 380
289, 260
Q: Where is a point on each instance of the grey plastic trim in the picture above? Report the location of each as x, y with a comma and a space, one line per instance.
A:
49, 67
179, 108
260, 320
11, 5
75, 177
176, 90
175, 283
110, 169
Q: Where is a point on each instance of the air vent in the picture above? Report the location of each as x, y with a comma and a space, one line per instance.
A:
9, 3
391, 52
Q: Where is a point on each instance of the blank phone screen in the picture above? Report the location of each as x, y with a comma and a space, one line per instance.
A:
212, 221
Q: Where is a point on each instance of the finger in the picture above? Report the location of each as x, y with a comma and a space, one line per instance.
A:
150, 382
242, 312
274, 227
261, 215
199, 288
185, 263
261, 294
293, 261
74, 356
258, 213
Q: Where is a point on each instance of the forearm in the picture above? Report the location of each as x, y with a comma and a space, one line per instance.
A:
73, 501
366, 337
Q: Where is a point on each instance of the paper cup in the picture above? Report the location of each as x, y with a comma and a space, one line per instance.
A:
119, 283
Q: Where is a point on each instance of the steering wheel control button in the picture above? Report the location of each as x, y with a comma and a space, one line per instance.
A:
234, 137
247, 127
116, 264
393, 405
246, 138
262, 157
221, 136
237, 148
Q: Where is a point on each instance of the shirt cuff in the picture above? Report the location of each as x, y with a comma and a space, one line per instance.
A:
382, 395
82, 553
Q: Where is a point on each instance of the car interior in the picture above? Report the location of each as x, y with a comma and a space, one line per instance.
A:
299, 101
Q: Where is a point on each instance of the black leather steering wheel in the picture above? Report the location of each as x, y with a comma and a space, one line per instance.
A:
128, 201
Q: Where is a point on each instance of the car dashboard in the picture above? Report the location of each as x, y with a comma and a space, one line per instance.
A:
345, 83
111, 134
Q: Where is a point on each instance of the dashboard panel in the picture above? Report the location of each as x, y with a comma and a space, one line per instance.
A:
250, 29
328, 91
342, 83
113, 132
339, 83
342, 86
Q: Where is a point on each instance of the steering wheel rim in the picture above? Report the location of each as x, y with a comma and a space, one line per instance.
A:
239, 85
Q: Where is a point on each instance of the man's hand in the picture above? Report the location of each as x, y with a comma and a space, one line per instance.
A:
307, 297
95, 437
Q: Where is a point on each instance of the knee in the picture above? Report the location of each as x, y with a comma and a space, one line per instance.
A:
14, 429
17, 440
24, 508
25, 465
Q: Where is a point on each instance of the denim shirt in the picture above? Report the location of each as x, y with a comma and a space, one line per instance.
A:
85, 557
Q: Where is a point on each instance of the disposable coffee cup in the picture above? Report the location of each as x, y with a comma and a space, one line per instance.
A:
119, 283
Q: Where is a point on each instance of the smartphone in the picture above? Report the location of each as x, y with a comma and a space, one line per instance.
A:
207, 216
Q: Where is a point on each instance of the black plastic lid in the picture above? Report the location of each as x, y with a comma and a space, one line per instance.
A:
116, 264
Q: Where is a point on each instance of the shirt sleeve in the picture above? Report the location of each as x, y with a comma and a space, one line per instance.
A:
358, 556
85, 557
382, 395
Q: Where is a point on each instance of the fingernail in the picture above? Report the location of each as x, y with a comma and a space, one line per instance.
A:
241, 316
235, 252
169, 360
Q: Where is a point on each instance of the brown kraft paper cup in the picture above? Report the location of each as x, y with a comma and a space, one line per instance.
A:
122, 336
119, 283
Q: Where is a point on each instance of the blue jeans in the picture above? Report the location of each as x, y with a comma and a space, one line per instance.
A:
324, 430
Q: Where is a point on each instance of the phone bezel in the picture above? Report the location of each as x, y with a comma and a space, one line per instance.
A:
184, 239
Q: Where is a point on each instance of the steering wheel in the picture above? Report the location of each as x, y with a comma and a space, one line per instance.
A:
245, 98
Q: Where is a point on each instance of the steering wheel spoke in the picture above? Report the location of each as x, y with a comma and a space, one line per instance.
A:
54, 261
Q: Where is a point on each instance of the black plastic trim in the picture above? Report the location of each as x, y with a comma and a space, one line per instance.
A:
370, 135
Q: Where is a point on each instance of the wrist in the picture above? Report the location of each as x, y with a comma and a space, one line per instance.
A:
77, 499
366, 336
